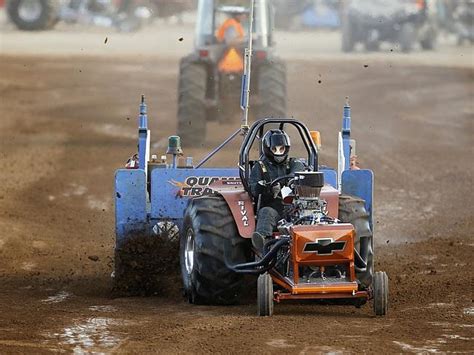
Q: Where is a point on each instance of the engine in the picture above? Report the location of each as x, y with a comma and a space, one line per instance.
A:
308, 207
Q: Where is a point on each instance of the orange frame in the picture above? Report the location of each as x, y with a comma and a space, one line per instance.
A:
310, 234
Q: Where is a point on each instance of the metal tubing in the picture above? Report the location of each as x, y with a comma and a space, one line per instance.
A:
143, 136
211, 154
263, 265
258, 127
346, 135
143, 119
360, 264
245, 94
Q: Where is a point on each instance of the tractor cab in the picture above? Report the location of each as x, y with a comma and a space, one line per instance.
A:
212, 14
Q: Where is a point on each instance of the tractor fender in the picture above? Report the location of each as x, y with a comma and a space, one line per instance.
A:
240, 204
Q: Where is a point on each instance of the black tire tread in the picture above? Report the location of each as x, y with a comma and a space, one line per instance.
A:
216, 241
352, 210
272, 89
380, 293
191, 102
265, 295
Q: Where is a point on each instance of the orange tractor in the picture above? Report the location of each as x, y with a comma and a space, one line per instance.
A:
322, 250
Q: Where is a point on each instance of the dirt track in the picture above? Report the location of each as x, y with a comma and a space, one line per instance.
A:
66, 125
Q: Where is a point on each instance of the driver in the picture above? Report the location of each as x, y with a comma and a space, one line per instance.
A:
273, 163
231, 32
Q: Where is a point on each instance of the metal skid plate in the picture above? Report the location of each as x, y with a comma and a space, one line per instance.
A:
130, 202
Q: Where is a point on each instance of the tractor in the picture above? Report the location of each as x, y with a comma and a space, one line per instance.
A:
323, 248
210, 77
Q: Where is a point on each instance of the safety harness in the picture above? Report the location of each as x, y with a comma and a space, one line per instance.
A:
266, 174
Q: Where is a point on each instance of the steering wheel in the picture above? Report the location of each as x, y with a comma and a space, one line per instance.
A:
282, 178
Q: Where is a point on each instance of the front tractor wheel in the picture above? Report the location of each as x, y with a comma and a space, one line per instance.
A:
380, 288
209, 242
265, 295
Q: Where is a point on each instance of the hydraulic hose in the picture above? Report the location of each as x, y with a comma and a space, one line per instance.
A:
360, 264
263, 265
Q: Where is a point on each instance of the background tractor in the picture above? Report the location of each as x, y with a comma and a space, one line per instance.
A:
208, 91
323, 248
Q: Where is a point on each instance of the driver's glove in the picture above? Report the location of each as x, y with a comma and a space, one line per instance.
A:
261, 187
276, 190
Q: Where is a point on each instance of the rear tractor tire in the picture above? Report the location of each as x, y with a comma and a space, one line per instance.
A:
380, 288
272, 89
265, 295
352, 210
192, 103
209, 242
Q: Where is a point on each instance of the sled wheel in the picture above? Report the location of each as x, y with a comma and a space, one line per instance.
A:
265, 295
380, 285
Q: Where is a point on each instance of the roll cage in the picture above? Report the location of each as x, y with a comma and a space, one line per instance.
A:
256, 132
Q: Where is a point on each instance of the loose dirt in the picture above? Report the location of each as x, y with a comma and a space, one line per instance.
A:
67, 123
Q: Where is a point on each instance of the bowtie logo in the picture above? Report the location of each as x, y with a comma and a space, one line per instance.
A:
325, 246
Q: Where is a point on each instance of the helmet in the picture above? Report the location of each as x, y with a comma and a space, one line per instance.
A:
276, 145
